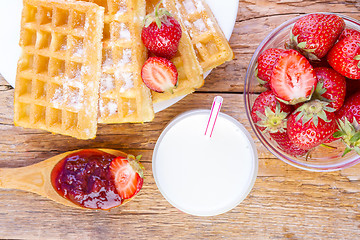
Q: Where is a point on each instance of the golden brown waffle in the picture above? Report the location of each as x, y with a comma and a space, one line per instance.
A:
210, 44
58, 72
185, 60
123, 95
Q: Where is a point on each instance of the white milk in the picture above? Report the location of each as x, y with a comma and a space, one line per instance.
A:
200, 175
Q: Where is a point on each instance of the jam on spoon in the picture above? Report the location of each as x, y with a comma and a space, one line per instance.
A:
94, 179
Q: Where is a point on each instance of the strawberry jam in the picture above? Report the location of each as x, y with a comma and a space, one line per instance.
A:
83, 178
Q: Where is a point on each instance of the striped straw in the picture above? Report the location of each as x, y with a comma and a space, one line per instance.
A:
215, 109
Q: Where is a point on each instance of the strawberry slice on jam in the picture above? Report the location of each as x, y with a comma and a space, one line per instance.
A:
128, 176
293, 79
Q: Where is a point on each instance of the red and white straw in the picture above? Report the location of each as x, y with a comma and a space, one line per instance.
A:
215, 109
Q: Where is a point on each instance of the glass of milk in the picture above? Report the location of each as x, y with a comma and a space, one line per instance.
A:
200, 175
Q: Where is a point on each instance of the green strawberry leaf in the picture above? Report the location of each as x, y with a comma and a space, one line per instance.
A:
357, 57
355, 138
338, 134
346, 151
302, 45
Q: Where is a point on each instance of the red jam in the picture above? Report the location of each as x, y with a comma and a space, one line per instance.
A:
83, 178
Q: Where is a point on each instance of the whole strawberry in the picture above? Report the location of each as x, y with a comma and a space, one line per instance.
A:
265, 65
287, 145
315, 34
311, 124
269, 114
293, 79
348, 119
347, 33
161, 33
331, 87
344, 57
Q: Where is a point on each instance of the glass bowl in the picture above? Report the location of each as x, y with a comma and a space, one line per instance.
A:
321, 158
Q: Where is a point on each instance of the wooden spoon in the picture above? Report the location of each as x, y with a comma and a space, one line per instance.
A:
36, 178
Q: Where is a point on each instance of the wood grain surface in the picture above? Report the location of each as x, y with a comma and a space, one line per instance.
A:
285, 203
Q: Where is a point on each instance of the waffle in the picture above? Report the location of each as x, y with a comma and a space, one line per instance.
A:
58, 72
185, 60
123, 95
210, 44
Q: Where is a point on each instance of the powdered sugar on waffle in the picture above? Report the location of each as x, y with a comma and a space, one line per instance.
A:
110, 108
124, 31
200, 25
71, 94
189, 6
107, 82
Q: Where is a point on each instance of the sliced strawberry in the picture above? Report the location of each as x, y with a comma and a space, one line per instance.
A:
293, 79
159, 74
128, 176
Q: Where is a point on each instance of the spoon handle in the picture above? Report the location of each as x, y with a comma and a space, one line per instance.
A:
31, 178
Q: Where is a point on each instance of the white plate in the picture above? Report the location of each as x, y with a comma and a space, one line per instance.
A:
225, 12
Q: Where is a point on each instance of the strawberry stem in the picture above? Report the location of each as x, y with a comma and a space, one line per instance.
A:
158, 16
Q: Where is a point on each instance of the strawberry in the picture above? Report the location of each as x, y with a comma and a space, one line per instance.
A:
348, 119
331, 87
287, 145
311, 124
347, 33
159, 74
128, 175
265, 65
293, 79
344, 57
331, 138
315, 34
269, 114
161, 33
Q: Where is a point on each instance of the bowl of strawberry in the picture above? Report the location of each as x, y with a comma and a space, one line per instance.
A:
302, 92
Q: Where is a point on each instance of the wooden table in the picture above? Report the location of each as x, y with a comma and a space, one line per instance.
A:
285, 203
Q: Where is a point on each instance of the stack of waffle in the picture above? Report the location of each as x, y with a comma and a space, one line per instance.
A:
81, 62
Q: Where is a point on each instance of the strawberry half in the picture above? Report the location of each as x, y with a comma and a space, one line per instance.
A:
161, 33
159, 74
128, 176
344, 57
293, 79
314, 35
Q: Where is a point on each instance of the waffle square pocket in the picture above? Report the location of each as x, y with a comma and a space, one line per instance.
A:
58, 72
